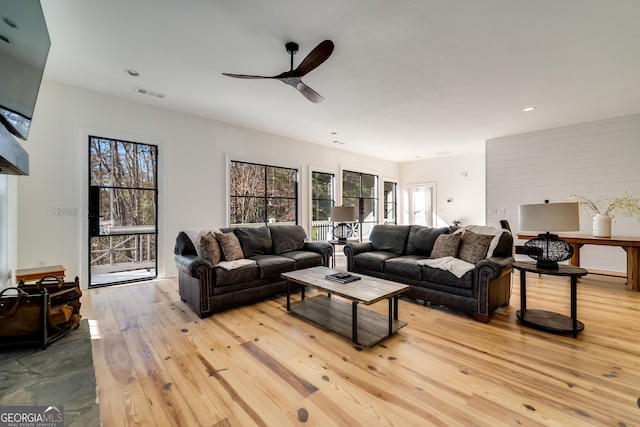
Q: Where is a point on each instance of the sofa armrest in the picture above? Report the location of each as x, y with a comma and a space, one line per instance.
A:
353, 249
493, 285
323, 248
194, 266
494, 267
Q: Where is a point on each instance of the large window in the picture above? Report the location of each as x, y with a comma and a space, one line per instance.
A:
390, 202
262, 194
419, 202
361, 190
322, 198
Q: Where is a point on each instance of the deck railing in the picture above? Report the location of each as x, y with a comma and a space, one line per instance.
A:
115, 253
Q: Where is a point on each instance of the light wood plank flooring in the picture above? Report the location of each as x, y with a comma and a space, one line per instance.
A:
157, 363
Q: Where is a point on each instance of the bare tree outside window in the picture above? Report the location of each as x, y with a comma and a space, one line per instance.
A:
123, 205
261, 194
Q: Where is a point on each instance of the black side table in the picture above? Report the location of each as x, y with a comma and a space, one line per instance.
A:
333, 244
548, 320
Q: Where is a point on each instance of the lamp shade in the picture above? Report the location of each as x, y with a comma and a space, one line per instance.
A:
343, 213
549, 217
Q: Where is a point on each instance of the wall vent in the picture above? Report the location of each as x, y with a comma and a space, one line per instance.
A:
150, 93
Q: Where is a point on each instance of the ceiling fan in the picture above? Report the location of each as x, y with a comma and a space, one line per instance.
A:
293, 77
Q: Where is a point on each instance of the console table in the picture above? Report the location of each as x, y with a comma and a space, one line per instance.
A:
548, 320
630, 244
37, 273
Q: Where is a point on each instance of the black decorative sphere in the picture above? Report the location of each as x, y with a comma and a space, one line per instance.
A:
547, 249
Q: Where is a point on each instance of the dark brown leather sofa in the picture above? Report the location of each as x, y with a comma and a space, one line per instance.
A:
394, 251
275, 249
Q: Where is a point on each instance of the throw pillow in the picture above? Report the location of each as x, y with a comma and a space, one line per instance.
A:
473, 246
446, 245
211, 250
230, 246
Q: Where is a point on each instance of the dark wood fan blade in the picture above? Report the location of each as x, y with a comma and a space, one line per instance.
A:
245, 76
309, 93
316, 57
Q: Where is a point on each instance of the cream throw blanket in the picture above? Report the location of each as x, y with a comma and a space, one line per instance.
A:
232, 265
454, 265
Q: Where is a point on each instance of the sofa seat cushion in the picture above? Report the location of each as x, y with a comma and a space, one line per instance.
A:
304, 259
273, 265
404, 266
238, 275
447, 278
373, 260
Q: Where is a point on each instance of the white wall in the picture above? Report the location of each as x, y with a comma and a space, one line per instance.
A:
192, 160
595, 159
448, 173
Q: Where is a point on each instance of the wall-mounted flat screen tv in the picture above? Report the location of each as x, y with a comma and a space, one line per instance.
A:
24, 46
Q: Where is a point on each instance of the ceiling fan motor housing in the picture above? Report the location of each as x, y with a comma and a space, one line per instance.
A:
292, 47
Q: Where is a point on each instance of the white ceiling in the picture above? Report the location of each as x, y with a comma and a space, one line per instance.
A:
407, 79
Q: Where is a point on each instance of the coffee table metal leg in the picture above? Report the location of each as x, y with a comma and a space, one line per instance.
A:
302, 292
395, 307
354, 322
288, 295
391, 315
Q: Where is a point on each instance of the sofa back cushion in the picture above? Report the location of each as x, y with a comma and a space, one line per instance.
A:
254, 240
446, 245
287, 237
389, 238
473, 246
421, 239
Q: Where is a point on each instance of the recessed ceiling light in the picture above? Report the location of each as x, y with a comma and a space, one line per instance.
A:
10, 22
338, 142
529, 109
132, 73
334, 132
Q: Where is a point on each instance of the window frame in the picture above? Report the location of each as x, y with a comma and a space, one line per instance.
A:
296, 191
317, 230
361, 200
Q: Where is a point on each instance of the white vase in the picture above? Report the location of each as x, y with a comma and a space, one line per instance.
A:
602, 225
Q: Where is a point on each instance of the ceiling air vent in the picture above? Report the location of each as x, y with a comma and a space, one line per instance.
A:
5, 39
150, 93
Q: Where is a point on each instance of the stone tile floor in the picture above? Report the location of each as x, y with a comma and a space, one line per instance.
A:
61, 375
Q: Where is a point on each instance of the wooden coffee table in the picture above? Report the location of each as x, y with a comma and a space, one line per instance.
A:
363, 327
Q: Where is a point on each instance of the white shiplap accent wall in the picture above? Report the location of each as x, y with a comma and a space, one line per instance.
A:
595, 159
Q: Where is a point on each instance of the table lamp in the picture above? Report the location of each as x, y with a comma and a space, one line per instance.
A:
546, 217
343, 214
